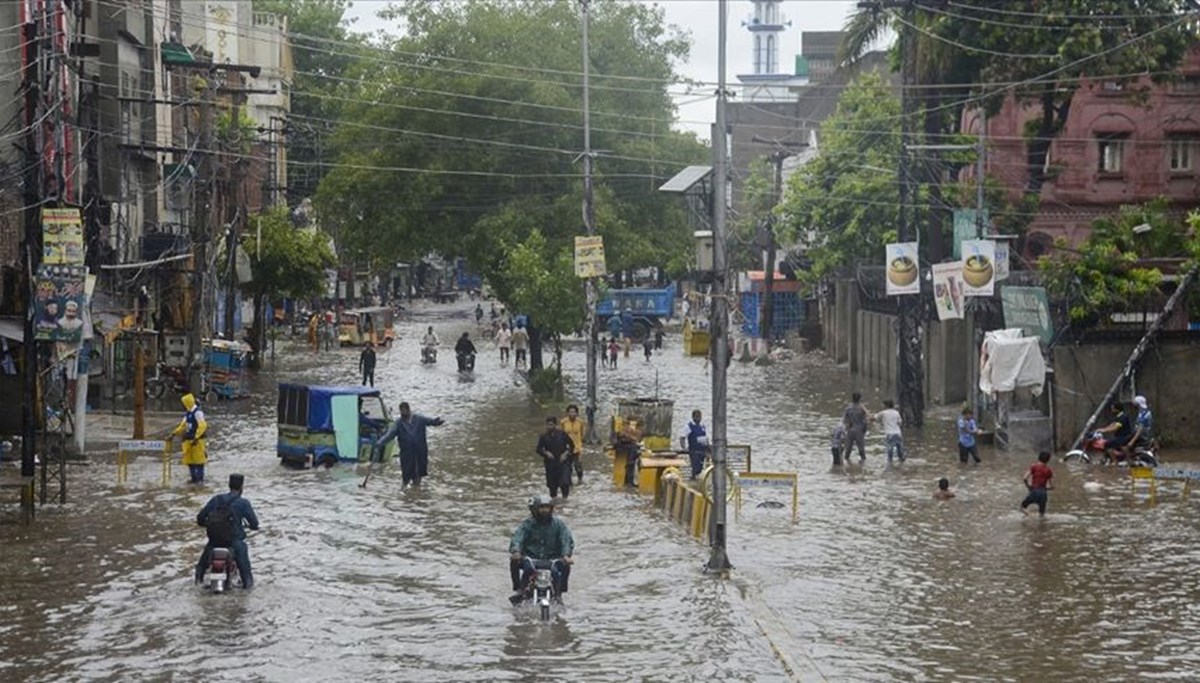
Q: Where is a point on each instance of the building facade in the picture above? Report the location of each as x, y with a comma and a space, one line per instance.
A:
1122, 143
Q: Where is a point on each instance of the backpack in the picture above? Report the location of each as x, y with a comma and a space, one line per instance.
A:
222, 522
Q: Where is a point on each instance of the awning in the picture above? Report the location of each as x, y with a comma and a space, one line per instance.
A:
12, 327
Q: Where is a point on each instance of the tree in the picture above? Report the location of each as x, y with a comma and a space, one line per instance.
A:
286, 263
460, 120
843, 203
1109, 272
541, 283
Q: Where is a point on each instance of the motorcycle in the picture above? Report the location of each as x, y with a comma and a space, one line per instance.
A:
541, 589
166, 377
222, 571
428, 354
1093, 449
466, 362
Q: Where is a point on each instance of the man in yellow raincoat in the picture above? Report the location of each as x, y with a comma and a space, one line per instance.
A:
192, 430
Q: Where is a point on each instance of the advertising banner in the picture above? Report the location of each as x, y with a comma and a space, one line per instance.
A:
978, 267
948, 290
62, 237
1028, 309
589, 256
60, 303
1002, 251
902, 269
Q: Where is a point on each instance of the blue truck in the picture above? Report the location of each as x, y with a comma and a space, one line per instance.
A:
647, 309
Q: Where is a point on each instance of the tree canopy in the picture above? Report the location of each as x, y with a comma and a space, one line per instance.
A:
464, 135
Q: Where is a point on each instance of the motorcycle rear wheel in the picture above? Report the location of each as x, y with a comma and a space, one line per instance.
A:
1077, 455
545, 610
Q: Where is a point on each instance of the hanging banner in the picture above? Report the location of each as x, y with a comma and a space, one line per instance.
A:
948, 290
967, 226
589, 256
1002, 251
978, 267
902, 269
62, 237
59, 303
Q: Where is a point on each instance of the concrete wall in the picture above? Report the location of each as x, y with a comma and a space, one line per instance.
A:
1166, 378
867, 342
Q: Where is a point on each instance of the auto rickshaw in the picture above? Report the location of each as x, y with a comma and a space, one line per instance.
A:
321, 426
361, 325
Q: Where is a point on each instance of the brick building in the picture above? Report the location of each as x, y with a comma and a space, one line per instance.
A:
1123, 143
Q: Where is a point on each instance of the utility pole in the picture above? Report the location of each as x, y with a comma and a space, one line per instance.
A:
234, 213
910, 380
201, 235
718, 561
766, 320
33, 250
589, 223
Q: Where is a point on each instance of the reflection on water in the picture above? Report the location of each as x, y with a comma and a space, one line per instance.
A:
877, 582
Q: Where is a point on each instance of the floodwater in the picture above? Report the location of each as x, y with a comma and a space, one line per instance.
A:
877, 582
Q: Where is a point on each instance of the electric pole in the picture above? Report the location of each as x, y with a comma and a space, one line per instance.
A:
766, 320
33, 250
910, 380
718, 560
234, 212
201, 235
589, 223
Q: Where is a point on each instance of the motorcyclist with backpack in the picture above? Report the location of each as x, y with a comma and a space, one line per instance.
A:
226, 516
541, 536
465, 350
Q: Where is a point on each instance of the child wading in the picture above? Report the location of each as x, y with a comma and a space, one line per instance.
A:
1037, 480
837, 442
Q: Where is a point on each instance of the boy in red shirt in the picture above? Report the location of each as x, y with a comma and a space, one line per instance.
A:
1037, 480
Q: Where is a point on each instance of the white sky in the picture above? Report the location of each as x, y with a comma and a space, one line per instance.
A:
699, 17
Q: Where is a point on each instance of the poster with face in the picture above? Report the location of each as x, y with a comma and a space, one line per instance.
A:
59, 303
948, 290
902, 269
978, 267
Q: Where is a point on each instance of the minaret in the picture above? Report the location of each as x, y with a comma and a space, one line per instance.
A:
767, 26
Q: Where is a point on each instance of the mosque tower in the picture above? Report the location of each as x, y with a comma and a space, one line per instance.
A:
768, 82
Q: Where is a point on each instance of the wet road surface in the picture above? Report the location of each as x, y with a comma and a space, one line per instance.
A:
878, 582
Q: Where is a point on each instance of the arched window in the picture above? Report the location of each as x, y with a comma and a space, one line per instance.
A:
758, 55
770, 57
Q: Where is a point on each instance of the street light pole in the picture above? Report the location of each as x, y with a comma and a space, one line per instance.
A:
589, 223
718, 561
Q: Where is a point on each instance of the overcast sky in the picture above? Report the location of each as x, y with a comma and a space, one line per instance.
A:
699, 17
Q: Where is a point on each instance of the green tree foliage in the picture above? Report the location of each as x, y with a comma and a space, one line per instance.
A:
843, 203
540, 281
289, 262
1108, 273
466, 134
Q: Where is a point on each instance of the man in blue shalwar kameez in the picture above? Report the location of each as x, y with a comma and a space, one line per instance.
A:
409, 432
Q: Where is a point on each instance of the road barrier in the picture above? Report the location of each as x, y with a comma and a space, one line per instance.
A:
768, 480
685, 502
1152, 475
125, 448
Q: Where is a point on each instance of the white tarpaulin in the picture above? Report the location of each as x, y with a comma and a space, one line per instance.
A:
1009, 361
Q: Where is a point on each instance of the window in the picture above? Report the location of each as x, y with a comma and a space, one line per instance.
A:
1179, 153
1112, 147
1188, 84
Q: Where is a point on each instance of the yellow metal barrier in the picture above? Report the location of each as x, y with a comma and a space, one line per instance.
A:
769, 480
124, 448
1152, 475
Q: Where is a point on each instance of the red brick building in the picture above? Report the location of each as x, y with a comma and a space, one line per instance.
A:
1116, 148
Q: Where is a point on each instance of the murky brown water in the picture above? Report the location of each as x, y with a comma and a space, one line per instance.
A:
877, 582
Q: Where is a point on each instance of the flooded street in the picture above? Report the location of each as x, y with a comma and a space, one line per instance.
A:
877, 582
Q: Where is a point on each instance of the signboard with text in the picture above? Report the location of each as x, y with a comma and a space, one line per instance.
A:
1028, 309
59, 302
589, 256
62, 237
